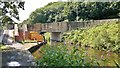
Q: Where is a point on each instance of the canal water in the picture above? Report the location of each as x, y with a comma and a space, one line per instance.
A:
103, 57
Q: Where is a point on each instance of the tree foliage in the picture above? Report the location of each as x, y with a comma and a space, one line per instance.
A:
9, 10
75, 11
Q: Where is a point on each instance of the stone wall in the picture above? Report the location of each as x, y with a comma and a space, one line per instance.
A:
54, 27
8, 36
34, 27
48, 27
85, 24
65, 26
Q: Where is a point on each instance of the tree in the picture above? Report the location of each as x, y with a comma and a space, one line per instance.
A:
75, 11
48, 13
9, 10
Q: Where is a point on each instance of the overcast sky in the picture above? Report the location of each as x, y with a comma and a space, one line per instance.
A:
32, 5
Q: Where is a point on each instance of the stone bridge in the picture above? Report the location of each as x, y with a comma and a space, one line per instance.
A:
57, 28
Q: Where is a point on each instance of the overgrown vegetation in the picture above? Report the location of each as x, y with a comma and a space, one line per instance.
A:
61, 55
102, 37
47, 37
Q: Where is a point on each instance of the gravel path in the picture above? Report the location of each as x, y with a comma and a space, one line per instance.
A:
25, 46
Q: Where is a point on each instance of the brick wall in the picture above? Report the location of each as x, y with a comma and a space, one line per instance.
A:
21, 36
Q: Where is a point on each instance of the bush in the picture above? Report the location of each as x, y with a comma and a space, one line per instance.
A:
47, 37
103, 37
63, 56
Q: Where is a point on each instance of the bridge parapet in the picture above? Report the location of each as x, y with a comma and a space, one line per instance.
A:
65, 26
34, 27
54, 27
49, 27
85, 24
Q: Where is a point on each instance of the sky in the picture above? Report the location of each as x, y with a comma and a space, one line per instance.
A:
32, 5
